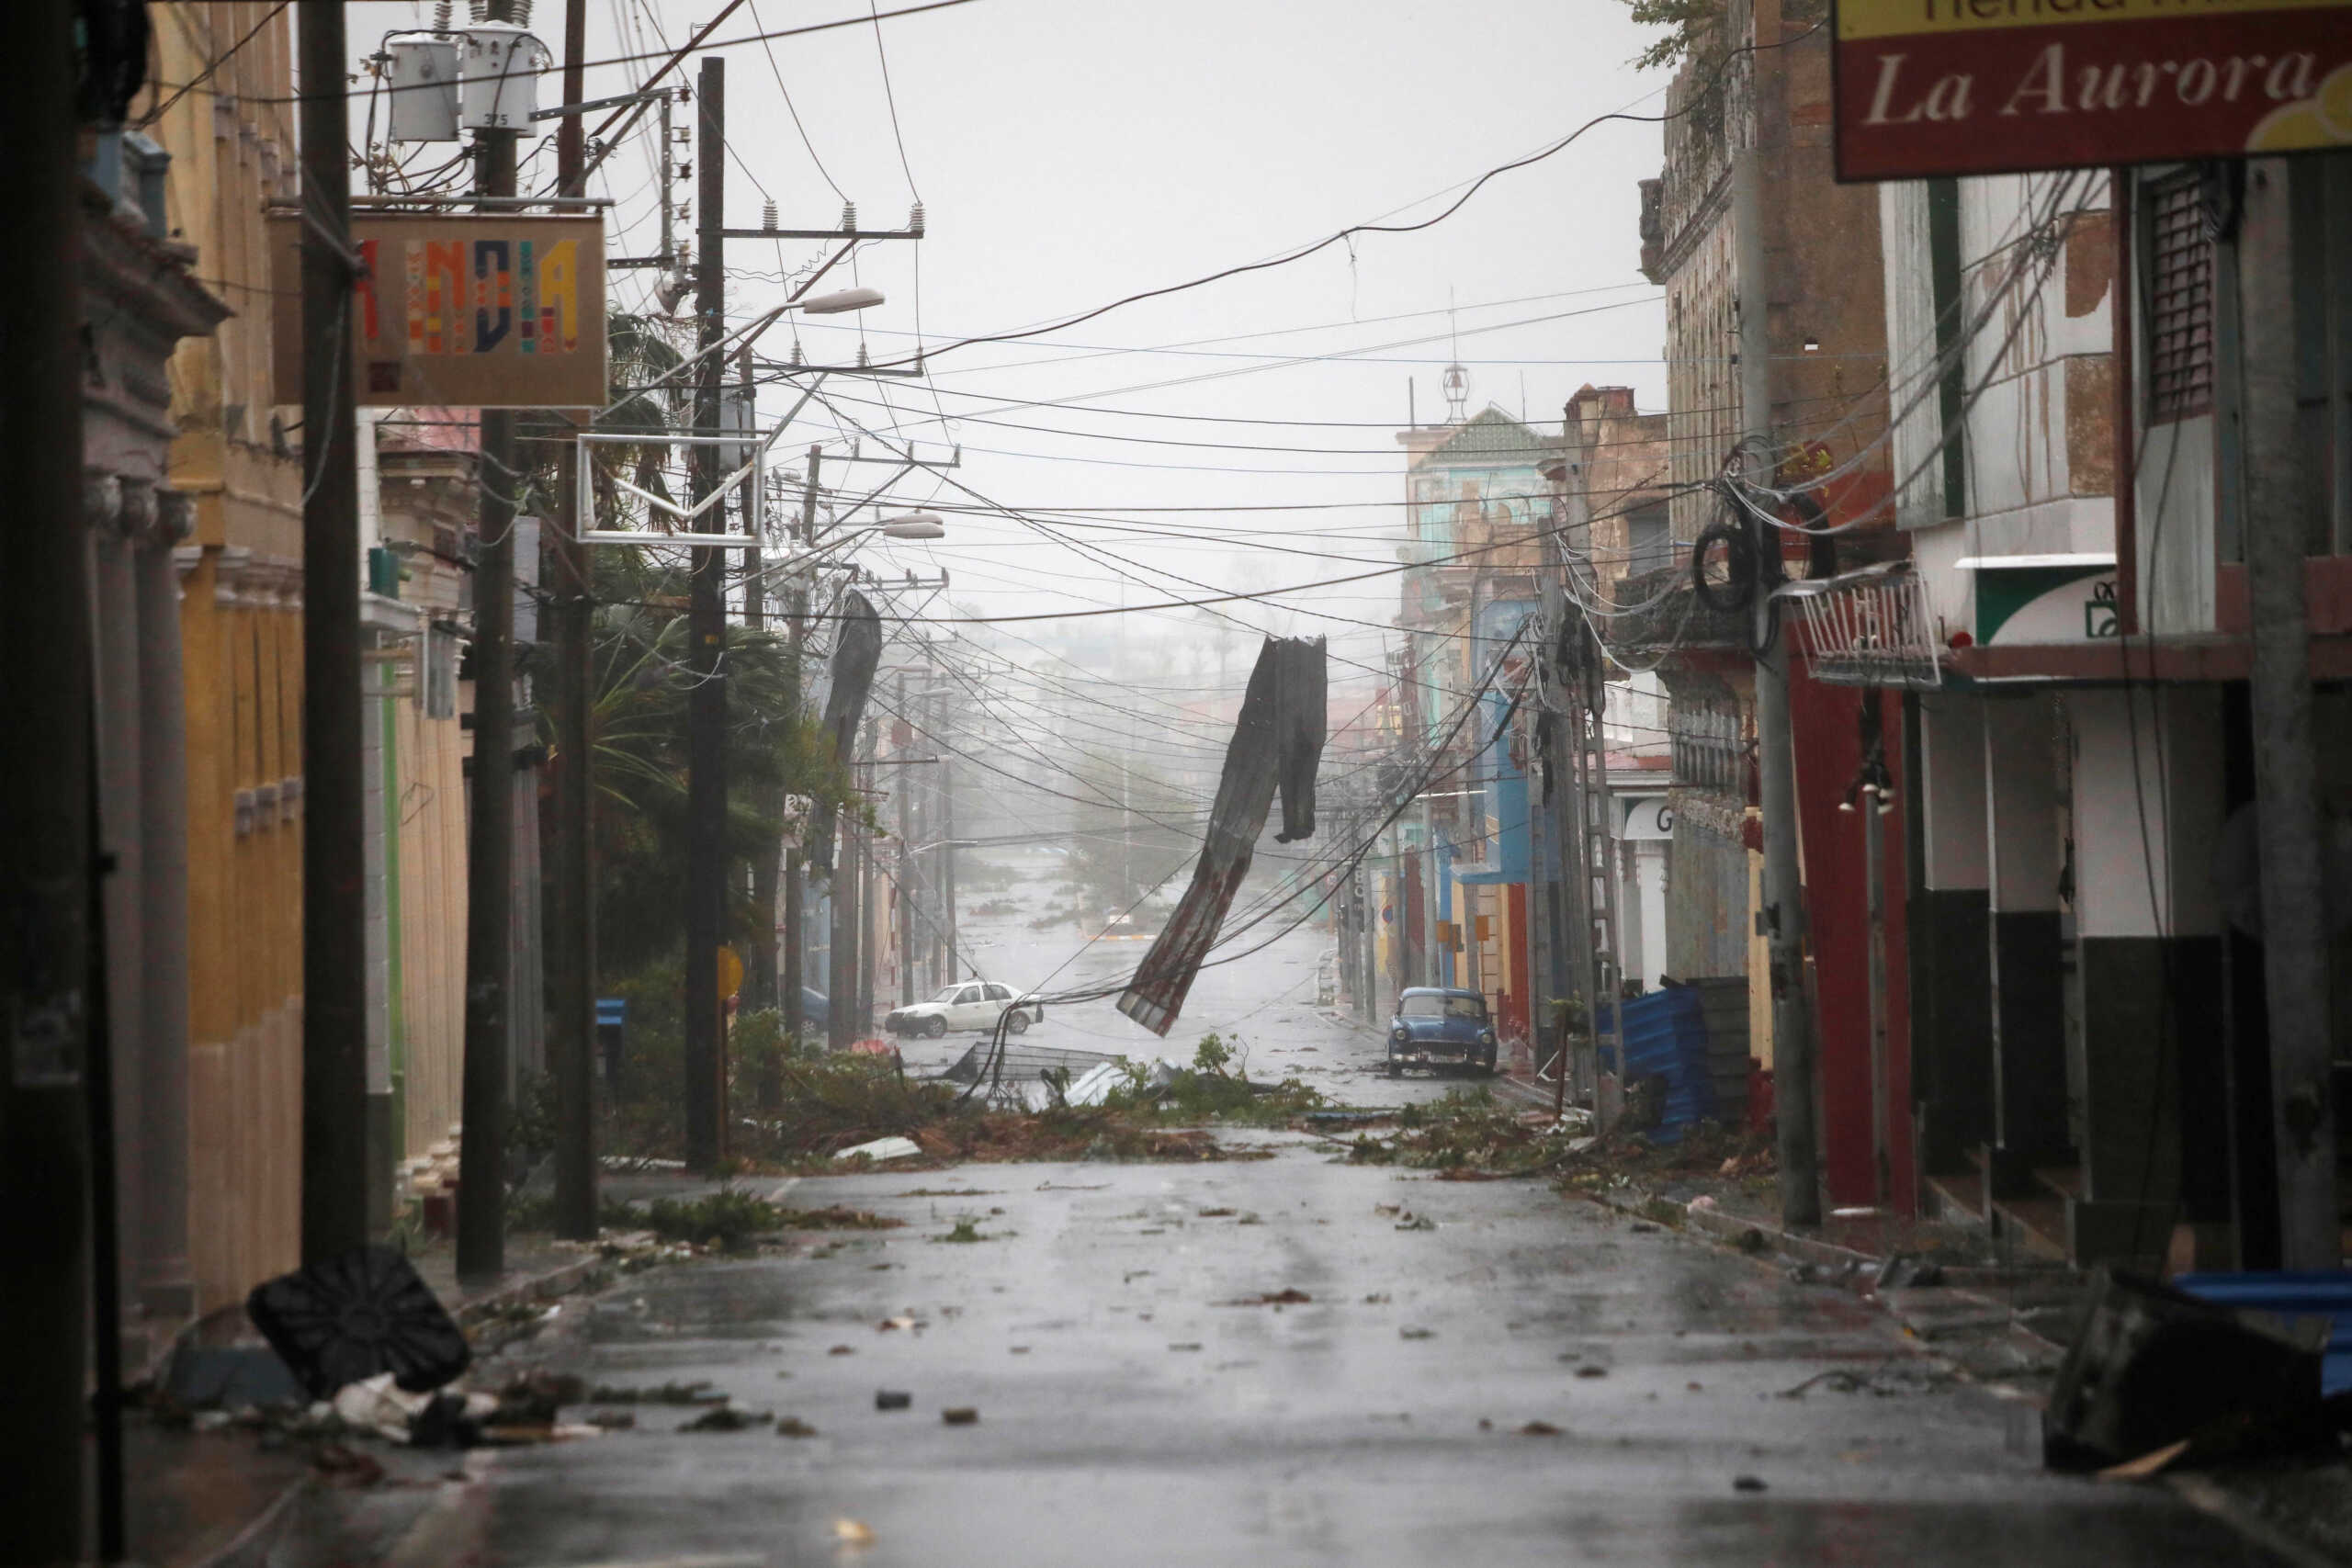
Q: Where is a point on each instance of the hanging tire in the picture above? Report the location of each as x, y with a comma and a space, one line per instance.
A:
1729, 589
935, 1026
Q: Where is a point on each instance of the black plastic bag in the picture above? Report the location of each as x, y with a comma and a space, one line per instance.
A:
353, 1316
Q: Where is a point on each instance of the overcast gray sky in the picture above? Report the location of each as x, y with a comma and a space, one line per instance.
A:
1068, 154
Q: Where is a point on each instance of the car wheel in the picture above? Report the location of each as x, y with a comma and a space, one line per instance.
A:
1017, 1022
935, 1027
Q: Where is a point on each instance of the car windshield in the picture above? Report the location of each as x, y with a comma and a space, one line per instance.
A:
1471, 1008
949, 995
1423, 1006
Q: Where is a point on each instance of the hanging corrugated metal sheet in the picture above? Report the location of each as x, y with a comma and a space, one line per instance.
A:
1665, 1037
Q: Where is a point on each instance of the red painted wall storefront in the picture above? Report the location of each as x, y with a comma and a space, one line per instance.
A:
1826, 723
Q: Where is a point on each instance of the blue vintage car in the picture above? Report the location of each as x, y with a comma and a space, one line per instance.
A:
1435, 1028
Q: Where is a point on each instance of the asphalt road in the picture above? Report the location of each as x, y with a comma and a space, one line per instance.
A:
1479, 1372
1138, 1401
1263, 1002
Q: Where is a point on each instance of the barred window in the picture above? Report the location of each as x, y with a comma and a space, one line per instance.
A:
2180, 302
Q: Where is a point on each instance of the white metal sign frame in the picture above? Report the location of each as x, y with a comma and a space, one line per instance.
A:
589, 440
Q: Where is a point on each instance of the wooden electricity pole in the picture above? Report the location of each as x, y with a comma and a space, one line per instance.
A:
707, 647
571, 912
490, 865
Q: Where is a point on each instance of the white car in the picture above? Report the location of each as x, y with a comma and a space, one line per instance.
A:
967, 1004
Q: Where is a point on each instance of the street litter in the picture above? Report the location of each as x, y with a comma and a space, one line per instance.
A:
1417, 1222
1539, 1429
794, 1427
881, 1149
362, 1311
851, 1533
1187, 1345
1417, 1334
375, 1404
891, 1399
1589, 1370
959, 1416
727, 1418
1746, 1483
2155, 1366
1288, 1297
900, 1322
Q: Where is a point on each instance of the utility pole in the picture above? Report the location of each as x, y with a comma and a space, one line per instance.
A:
840, 985
2278, 480
1783, 911
906, 870
45, 872
761, 972
866, 857
571, 915
795, 880
947, 863
490, 864
334, 908
706, 644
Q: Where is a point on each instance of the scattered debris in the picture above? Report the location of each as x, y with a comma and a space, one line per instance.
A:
892, 1399
959, 1416
1291, 1296
2146, 1465
849, 1532
1641, 1227
1187, 1345
1417, 1334
346, 1319
1589, 1370
1905, 1271
794, 1427
881, 1149
1539, 1429
612, 1420
1417, 1222
727, 1418
1378, 1298
2155, 1366
1747, 1483
904, 1321
841, 1350
1216, 1214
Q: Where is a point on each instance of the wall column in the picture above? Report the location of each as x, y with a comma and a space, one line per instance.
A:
2028, 1029
1951, 946
115, 630
2148, 813
166, 1282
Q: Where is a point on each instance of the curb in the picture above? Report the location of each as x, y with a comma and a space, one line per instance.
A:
252, 1546
584, 1272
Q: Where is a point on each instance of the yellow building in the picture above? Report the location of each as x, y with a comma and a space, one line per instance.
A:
233, 150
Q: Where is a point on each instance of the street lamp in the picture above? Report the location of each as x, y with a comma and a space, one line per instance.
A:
915, 525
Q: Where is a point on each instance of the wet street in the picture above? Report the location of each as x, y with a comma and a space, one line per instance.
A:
1275, 1358
1263, 1002
1481, 1371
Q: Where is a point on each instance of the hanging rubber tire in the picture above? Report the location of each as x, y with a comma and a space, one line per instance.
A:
1735, 589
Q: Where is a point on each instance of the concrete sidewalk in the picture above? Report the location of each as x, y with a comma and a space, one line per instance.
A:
222, 1498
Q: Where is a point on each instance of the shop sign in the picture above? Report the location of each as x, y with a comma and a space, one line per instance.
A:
2044, 599
459, 311
1935, 87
